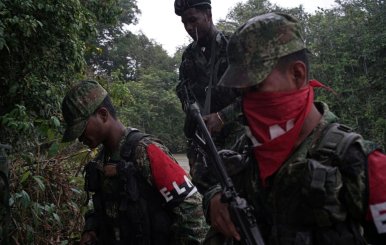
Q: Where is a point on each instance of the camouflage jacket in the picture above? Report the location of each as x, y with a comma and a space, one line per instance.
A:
188, 225
309, 200
195, 73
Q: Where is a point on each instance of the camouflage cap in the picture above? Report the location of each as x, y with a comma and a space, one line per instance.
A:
255, 48
78, 105
181, 5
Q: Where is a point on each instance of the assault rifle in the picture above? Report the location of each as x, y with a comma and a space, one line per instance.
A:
240, 211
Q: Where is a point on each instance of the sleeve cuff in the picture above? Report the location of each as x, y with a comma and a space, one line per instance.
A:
206, 200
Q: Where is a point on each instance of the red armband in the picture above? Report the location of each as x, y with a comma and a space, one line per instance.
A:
170, 178
377, 189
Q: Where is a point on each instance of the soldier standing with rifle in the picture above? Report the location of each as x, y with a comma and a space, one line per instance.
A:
203, 63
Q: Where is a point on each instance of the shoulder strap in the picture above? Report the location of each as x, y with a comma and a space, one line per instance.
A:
152, 221
334, 141
131, 142
225, 36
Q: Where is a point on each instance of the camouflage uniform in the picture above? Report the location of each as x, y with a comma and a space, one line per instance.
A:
314, 197
188, 226
197, 67
288, 212
195, 73
128, 207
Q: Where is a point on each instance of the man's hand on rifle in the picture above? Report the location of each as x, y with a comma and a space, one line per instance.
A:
220, 218
214, 122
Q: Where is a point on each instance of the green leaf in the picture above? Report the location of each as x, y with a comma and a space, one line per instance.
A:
25, 176
55, 121
57, 218
25, 199
39, 181
54, 149
76, 191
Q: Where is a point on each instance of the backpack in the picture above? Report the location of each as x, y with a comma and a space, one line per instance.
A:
145, 220
333, 144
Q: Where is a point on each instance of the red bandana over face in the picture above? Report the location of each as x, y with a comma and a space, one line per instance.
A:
275, 120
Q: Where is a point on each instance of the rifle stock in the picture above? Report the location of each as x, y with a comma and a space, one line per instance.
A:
240, 211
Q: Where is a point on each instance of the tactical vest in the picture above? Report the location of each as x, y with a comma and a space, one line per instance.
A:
129, 210
4, 195
307, 193
196, 71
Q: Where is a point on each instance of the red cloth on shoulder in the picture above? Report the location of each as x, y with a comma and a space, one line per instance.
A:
376, 162
169, 177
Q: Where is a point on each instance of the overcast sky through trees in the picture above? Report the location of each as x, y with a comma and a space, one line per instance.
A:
159, 22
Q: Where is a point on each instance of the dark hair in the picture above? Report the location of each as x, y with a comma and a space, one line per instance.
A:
301, 55
109, 106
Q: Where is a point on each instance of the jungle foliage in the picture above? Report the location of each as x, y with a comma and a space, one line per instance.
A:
47, 46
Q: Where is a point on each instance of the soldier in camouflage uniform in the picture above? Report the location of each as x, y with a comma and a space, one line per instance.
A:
203, 63
140, 193
305, 175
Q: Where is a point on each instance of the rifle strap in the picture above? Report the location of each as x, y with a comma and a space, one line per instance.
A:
131, 141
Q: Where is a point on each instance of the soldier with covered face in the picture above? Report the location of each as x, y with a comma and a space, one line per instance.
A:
306, 173
203, 63
140, 193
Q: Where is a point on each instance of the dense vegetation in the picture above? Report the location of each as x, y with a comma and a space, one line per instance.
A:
46, 46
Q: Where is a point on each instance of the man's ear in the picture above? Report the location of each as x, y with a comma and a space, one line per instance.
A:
299, 73
103, 113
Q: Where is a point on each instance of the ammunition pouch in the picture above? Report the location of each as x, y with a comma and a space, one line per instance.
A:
92, 177
127, 174
127, 209
321, 188
309, 194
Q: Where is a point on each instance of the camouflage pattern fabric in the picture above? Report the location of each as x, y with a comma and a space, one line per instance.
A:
256, 46
189, 226
195, 75
80, 103
292, 209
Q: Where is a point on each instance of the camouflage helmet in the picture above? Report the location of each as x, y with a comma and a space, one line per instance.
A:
181, 5
255, 48
78, 105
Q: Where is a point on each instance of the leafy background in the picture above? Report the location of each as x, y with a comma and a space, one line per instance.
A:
47, 46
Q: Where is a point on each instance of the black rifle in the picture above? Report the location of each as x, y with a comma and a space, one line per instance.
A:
240, 211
